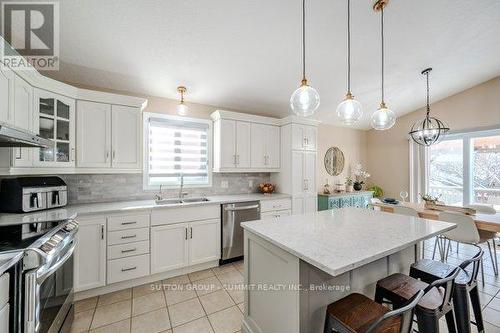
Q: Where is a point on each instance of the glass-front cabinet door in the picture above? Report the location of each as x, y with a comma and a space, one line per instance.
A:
55, 120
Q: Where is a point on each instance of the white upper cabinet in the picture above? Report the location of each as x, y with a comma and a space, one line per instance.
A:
304, 137
55, 120
23, 104
93, 135
6, 95
126, 139
108, 136
245, 143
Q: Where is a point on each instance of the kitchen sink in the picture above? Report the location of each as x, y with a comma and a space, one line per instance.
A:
177, 201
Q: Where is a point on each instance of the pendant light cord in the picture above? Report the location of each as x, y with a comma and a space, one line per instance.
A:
348, 46
382, 39
303, 39
428, 102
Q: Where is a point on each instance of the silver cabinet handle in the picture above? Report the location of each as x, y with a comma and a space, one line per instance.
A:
129, 269
114, 155
102, 231
186, 235
230, 209
129, 250
127, 237
191, 232
107, 155
129, 223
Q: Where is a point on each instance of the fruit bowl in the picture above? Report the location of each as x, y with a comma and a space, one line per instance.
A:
266, 188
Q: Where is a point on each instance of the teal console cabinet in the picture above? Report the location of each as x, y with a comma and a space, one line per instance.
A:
359, 199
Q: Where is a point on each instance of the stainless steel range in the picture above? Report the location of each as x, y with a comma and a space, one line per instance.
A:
48, 280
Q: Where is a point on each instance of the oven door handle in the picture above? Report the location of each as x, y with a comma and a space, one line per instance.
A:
233, 209
58, 264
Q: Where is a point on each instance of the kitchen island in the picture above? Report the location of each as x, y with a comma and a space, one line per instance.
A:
296, 265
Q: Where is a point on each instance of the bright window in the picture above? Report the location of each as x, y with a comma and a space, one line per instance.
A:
175, 148
465, 169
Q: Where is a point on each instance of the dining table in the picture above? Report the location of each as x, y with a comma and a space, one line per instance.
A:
487, 222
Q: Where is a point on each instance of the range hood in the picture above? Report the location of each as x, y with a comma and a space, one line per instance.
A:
15, 137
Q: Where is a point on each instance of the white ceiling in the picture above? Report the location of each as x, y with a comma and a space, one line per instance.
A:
245, 55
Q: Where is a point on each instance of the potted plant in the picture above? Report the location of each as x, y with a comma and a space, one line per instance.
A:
378, 192
349, 184
360, 177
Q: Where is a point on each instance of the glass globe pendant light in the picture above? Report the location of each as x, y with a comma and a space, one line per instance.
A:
304, 100
429, 130
182, 108
384, 118
349, 110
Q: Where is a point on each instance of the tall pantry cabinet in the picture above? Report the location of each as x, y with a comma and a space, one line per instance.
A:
298, 163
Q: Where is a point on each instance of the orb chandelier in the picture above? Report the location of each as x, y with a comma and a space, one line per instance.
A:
349, 110
429, 130
305, 100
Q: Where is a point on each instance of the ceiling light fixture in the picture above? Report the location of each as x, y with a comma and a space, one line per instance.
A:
304, 100
349, 110
430, 130
182, 108
384, 118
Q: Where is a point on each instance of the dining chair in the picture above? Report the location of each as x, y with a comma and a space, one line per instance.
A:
403, 210
466, 232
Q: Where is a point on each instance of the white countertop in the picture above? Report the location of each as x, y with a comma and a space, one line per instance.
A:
71, 211
337, 241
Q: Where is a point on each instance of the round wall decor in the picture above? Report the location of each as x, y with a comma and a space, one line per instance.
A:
334, 161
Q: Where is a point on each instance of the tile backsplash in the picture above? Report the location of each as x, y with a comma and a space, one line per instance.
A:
86, 188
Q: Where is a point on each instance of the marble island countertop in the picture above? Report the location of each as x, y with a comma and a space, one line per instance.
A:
72, 211
340, 240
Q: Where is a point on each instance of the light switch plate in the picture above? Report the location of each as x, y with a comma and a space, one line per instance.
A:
250, 183
224, 184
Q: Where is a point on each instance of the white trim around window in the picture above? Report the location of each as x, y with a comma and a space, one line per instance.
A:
169, 131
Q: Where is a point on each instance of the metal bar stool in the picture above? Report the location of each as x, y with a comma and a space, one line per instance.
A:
436, 302
357, 313
465, 287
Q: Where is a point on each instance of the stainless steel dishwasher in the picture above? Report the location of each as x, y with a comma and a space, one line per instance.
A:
233, 214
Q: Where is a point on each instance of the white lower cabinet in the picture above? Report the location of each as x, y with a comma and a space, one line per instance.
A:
90, 254
179, 245
4, 319
169, 247
204, 242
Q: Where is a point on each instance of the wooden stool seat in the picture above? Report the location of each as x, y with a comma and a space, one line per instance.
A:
357, 312
439, 270
399, 288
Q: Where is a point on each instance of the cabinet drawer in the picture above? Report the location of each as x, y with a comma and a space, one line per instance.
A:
276, 214
128, 268
128, 222
4, 289
128, 250
270, 205
128, 236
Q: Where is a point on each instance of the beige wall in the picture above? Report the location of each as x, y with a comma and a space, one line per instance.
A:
387, 151
352, 143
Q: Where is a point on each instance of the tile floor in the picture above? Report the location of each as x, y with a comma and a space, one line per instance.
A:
209, 301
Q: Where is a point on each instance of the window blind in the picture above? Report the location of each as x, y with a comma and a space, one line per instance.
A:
177, 148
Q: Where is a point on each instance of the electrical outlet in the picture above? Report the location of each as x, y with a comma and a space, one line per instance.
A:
250, 183
224, 184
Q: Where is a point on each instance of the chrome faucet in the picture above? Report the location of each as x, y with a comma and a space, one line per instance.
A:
159, 195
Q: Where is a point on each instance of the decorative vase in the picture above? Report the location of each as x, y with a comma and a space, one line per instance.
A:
358, 186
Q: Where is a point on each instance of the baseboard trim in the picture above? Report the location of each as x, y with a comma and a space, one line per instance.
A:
143, 280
